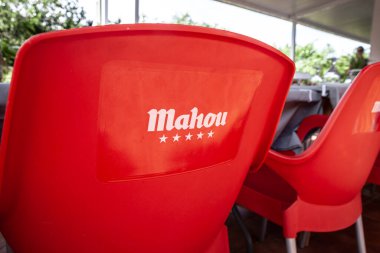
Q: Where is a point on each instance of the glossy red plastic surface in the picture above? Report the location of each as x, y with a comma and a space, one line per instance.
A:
134, 138
317, 122
320, 189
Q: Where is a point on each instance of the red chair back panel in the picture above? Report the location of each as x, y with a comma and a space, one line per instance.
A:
182, 118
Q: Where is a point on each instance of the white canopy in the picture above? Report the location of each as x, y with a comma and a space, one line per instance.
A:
348, 18
354, 19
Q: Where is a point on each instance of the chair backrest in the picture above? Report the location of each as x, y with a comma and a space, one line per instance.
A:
339, 161
134, 138
374, 176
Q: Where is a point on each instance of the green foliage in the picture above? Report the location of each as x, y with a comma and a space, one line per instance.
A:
7, 77
20, 19
308, 58
317, 62
342, 65
186, 19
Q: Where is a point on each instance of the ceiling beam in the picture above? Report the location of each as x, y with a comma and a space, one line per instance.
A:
329, 29
318, 7
248, 5
299, 18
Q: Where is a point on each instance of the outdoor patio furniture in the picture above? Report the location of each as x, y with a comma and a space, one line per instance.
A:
374, 177
134, 138
301, 102
320, 189
4, 89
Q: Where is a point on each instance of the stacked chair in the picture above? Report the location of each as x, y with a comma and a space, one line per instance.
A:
320, 189
137, 138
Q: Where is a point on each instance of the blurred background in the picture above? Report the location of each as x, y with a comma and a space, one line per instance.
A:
320, 56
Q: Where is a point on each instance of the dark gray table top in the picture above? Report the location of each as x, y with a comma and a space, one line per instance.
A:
4, 90
301, 102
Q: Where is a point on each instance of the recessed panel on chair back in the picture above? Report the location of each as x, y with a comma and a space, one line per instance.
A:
134, 138
166, 118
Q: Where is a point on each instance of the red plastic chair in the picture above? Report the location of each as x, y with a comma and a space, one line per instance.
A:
317, 122
374, 177
134, 138
310, 124
319, 190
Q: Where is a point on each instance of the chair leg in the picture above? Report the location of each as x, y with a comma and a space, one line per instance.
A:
3, 244
9, 249
291, 245
360, 235
243, 228
304, 239
264, 226
373, 190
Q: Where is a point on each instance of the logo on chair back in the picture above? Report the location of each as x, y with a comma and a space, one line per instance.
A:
376, 112
167, 120
376, 107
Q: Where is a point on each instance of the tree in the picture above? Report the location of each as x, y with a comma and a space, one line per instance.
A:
318, 62
186, 19
20, 19
308, 58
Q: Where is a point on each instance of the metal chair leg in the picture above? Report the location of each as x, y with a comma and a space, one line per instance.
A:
304, 239
243, 228
264, 226
3, 244
360, 235
291, 245
373, 190
9, 249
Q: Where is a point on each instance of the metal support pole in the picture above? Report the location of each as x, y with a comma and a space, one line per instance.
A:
105, 12
137, 6
100, 12
375, 33
293, 45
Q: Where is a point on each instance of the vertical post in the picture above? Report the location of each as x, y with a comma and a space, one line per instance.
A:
137, 5
99, 12
105, 12
293, 45
375, 33
102, 6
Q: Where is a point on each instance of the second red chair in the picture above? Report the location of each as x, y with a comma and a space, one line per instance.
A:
320, 189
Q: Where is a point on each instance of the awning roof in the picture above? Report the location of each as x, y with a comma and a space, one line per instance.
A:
348, 18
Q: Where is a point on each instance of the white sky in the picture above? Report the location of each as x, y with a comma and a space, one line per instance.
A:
273, 31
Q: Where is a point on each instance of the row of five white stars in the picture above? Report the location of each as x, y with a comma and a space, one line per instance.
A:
188, 136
